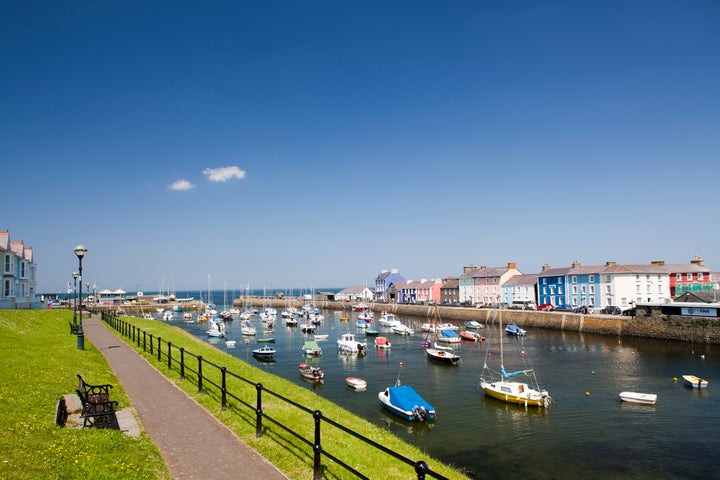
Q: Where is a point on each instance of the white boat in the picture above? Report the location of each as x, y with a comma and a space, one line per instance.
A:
635, 397
402, 329
473, 324
356, 383
264, 352
216, 329
694, 381
188, 317
447, 335
347, 344
427, 327
387, 320
319, 337
248, 329
230, 343
497, 384
311, 349
168, 315
382, 343
307, 328
447, 326
440, 353
310, 372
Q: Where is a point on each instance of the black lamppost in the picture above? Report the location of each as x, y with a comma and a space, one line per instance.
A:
75, 277
80, 251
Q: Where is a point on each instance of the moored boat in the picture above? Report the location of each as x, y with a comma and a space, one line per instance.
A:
264, 352
348, 344
311, 372
513, 329
404, 401
382, 342
693, 381
356, 383
510, 391
635, 397
471, 336
473, 324
311, 349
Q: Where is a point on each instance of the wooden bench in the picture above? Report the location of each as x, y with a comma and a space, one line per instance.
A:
97, 409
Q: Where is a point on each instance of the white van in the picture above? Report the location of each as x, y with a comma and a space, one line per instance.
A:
523, 305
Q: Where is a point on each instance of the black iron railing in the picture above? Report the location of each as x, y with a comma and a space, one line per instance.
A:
193, 367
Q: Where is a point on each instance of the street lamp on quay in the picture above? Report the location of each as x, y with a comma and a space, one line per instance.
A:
80, 252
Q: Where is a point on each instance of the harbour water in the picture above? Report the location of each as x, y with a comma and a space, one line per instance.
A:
587, 432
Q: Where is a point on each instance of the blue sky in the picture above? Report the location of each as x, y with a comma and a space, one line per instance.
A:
319, 142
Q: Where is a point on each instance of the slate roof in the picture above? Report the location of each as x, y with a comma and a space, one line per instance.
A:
516, 280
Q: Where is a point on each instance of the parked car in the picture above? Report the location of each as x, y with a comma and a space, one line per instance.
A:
581, 309
611, 310
546, 307
630, 312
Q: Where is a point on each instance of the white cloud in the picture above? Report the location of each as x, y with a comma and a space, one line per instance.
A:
182, 185
223, 174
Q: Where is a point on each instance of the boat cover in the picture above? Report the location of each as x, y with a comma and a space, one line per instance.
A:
448, 333
406, 398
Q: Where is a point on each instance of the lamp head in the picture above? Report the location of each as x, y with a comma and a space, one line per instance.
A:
75, 275
80, 251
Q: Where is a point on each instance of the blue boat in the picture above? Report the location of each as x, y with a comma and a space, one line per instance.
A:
404, 401
513, 329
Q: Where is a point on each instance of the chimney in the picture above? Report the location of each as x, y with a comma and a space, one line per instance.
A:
467, 268
483, 267
658, 263
610, 263
545, 266
575, 264
512, 265
698, 261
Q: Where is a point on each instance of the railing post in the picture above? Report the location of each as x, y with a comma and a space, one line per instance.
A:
200, 376
421, 469
169, 355
144, 341
182, 363
159, 349
152, 345
317, 448
258, 411
138, 336
223, 390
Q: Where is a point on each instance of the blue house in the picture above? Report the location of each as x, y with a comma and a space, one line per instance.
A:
383, 281
570, 287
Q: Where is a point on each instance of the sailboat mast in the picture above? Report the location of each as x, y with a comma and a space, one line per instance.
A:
502, 359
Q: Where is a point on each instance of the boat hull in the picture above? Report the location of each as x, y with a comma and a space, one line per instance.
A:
356, 383
412, 413
518, 393
635, 397
694, 381
442, 356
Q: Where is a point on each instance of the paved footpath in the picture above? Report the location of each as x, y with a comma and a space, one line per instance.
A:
194, 444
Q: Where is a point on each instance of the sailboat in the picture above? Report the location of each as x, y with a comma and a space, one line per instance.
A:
502, 388
437, 352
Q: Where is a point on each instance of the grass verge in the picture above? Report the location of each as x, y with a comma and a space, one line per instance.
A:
40, 361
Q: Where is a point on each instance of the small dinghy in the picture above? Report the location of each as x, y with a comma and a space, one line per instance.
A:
693, 381
356, 383
635, 397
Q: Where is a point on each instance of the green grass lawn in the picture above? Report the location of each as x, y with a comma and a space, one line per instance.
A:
40, 361
41, 355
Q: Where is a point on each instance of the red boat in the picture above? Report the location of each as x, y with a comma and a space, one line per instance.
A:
471, 336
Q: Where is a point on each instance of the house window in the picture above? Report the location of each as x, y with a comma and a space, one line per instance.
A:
592, 289
637, 277
638, 288
6, 288
607, 278
678, 277
689, 276
591, 279
22, 269
582, 289
649, 288
574, 289
700, 277
608, 289
487, 280
544, 281
7, 264
573, 279
560, 280
560, 291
